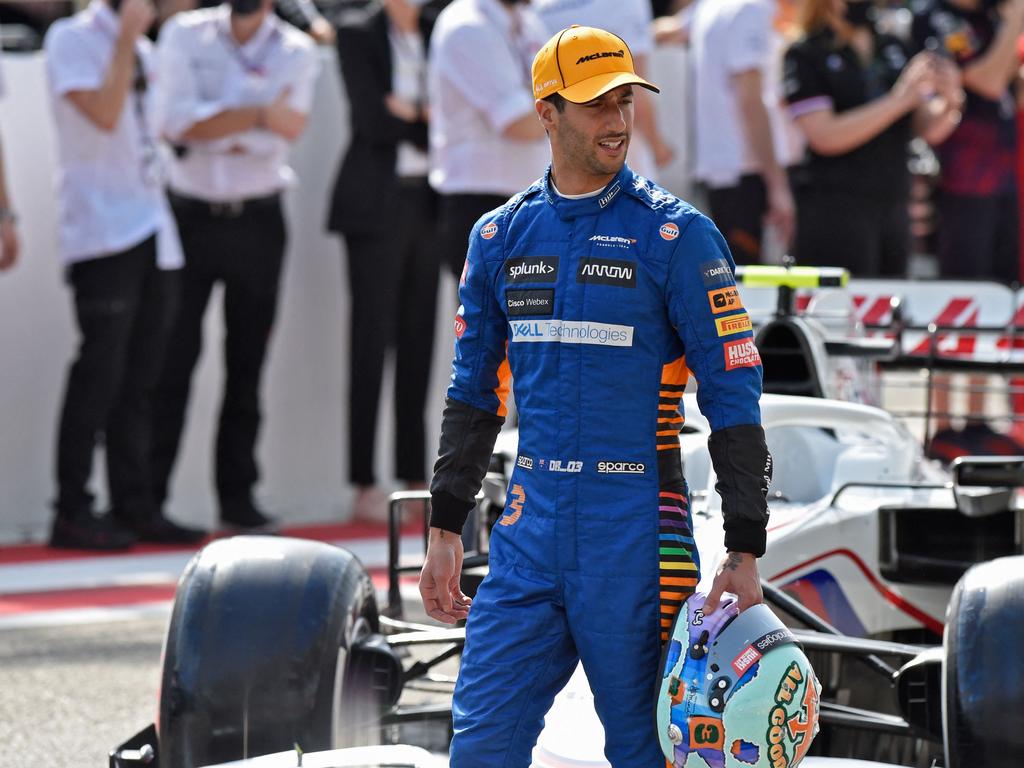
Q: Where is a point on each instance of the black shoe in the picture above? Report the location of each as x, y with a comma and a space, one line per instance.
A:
86, 531
247, 519
160, 530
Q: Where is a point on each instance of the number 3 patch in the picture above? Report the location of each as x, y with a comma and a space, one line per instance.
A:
706, 733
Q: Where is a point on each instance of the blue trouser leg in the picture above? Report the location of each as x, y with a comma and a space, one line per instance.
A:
519, 654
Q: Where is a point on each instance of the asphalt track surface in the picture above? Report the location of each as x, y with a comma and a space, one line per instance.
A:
81, 640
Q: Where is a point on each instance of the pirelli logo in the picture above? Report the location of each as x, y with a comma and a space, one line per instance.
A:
724, 299
727, 326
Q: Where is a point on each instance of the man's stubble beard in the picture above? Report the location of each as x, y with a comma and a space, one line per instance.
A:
578, 149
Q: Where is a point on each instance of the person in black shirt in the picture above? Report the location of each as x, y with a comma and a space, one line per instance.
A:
977, 203
858, 98
978, 223
386, 211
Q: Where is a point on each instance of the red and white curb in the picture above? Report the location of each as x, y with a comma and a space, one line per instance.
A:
40, 586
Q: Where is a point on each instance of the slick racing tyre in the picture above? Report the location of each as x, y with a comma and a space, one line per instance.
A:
983, 682
263, 653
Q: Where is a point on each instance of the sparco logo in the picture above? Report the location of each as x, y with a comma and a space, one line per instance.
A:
537, 269
607, 272
525, 462
621, 467
620, 54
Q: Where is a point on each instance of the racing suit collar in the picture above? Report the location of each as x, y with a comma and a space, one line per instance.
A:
590, 206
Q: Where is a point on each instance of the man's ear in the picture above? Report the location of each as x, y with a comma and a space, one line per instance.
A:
547, 113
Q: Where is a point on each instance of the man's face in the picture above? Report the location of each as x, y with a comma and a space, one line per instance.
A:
593, 137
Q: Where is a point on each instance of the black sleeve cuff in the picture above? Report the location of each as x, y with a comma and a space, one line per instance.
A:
745, 536
447, 512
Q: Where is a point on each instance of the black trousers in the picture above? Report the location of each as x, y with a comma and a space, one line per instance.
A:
870, 236
123, 307
393, 281
243, 250
738, 212
979, 236
458, 215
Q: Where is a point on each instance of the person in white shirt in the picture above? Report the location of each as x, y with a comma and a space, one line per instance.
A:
121, 250
8, 231
485, 141
236, 89
632, 21
741, 144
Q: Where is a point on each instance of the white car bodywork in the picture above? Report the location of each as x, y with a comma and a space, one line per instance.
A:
822, 546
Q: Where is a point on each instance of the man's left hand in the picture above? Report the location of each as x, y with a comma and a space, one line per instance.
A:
737, 573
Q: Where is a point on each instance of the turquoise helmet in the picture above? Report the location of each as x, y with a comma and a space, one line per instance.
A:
736, 690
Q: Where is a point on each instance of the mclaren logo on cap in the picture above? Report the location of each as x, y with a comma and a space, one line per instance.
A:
620, 54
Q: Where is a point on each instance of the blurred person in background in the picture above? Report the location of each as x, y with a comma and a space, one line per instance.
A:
8, 219
390, 236
741, 146
977, 203
118, 241
632, 21
236, 89
485, 140
301, 13
858, 97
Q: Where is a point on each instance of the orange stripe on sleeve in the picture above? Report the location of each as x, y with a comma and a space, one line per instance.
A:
504, 384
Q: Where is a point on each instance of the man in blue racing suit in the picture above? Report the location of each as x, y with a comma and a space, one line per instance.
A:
596, 292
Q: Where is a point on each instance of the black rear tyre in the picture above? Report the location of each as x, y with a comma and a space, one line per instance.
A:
258, 655
983, 682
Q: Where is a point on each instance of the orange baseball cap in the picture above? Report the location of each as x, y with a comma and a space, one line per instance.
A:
582, 63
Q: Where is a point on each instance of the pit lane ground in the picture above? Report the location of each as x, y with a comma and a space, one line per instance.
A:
81, 638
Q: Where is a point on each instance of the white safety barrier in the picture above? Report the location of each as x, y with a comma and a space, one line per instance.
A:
303, 445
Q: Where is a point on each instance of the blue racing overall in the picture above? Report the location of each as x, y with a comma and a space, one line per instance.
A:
598, 309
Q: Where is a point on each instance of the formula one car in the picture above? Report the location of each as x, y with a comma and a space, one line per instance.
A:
276, 646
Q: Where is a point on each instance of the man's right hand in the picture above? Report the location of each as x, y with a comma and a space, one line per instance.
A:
440, 590
137, 16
